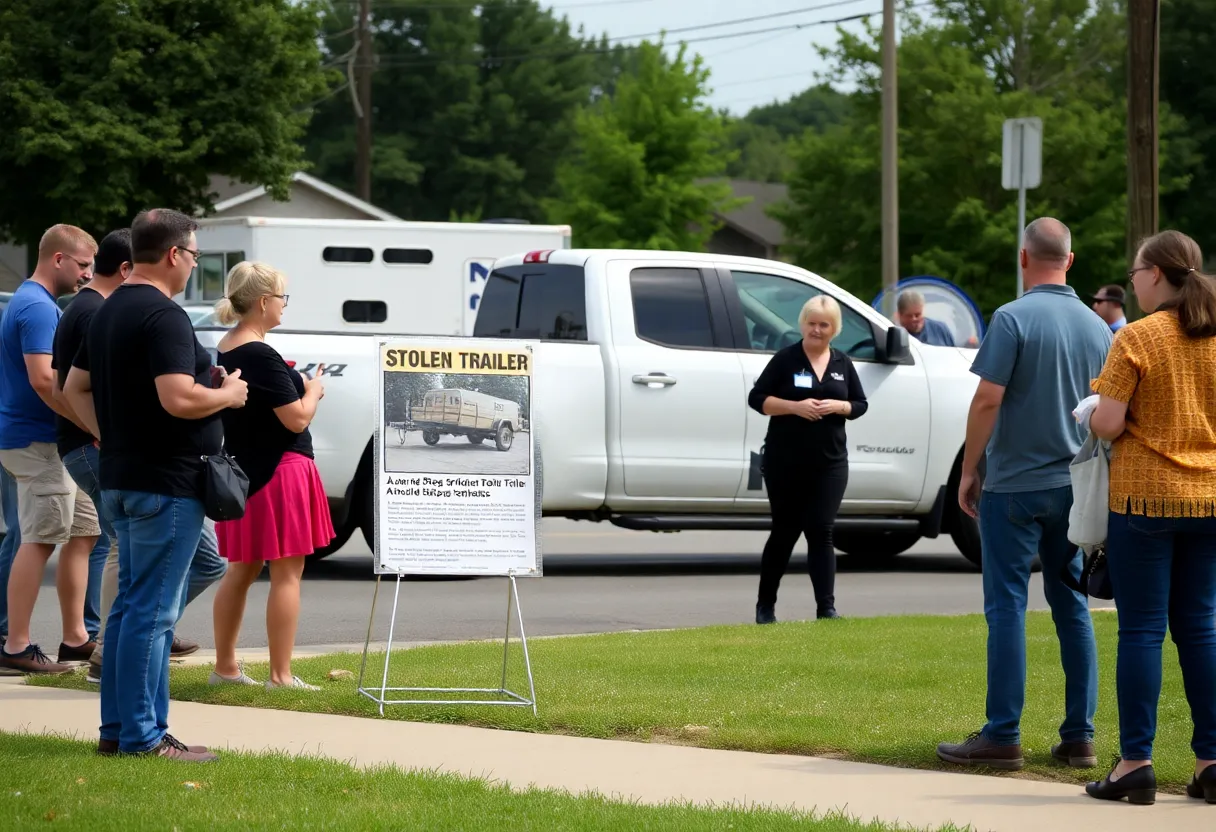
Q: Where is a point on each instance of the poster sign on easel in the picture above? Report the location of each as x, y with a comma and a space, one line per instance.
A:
457, 478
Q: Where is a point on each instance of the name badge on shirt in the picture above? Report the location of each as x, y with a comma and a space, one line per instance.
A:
837, 376
804, 380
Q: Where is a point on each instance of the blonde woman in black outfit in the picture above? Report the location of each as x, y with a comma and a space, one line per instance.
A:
810, 390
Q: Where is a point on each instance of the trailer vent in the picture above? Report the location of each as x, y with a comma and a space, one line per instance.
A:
407, 256
347, 254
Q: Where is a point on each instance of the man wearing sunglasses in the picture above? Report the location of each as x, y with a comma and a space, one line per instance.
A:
1108, 304
51, 510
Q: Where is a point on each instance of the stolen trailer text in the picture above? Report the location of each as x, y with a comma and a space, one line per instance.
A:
455, 412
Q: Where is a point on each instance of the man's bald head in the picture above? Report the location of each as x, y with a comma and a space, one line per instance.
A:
1048, 241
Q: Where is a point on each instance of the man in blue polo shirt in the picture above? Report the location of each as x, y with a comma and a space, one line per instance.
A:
51, 511
1035, 364
911, 308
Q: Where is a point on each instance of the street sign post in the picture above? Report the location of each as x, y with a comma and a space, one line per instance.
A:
1022, 168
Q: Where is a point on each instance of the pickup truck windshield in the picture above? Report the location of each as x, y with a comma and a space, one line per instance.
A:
544, 301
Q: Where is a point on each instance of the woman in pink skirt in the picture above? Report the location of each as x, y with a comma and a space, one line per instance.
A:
287, 515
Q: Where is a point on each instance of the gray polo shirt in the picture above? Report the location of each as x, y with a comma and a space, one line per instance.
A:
1044, 348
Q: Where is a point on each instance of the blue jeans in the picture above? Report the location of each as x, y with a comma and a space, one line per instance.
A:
157, 538
82, 467
12, 539
1013, 529
206, 568
1163, 571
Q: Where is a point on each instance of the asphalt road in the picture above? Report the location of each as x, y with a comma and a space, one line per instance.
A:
456, 455
597, 579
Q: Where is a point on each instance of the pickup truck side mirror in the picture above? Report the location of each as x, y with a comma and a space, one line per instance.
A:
894, 347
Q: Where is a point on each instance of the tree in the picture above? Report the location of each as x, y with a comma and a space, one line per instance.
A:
473, 101
976, 63
636, 177
765, 139
109, 107
1188, 89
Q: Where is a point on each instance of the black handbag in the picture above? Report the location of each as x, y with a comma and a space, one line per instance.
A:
225, 487
1095, 577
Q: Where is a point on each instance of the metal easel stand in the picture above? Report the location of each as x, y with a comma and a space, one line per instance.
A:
379, 694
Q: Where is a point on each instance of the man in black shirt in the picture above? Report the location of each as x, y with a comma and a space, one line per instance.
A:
80, 456
142, 383
76, 449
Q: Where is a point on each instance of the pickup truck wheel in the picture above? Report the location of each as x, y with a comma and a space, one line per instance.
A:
966, 536
430, 437
504, 438
874, 546
477, 440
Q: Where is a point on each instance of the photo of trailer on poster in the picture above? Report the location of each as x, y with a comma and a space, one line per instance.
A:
457, 460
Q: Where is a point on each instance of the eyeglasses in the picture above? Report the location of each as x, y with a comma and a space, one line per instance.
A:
1132, 272
83, 265
282, 298
189, 251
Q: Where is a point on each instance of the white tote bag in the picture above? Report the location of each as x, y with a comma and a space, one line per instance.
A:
1090, 474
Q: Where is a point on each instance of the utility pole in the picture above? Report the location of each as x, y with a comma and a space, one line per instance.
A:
1143, 69
890, 163
363, 104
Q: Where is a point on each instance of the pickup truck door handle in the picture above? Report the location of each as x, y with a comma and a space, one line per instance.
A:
655, 380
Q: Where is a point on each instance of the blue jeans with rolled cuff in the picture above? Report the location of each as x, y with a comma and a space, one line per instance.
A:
1163, 570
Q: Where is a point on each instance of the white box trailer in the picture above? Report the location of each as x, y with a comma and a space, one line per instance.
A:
368, 276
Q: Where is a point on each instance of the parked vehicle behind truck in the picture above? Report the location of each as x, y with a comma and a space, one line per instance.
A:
643, 365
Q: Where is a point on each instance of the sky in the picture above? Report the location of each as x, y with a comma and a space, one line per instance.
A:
773, 63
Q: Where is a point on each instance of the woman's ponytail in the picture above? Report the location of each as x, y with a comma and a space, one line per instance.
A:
1180, 260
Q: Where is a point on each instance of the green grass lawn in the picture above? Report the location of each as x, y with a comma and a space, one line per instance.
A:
882, 690
47, 782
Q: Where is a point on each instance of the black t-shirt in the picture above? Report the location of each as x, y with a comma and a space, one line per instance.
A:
253, 433
794, 442
137, 335
68, 337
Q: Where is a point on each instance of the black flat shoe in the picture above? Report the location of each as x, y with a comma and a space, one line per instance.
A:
829, 613
766, 613
1139, 787
1203, 787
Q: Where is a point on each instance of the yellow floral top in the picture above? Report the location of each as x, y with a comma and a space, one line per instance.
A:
1164, 464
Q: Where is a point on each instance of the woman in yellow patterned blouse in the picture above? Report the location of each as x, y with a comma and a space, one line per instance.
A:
1158, 405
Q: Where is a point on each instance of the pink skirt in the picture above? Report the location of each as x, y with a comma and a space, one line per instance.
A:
286, 518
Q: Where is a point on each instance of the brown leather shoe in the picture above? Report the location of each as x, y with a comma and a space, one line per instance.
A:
1075, 754
181, 647
172, 749
977, 750
32, 660
108, 748
76, 654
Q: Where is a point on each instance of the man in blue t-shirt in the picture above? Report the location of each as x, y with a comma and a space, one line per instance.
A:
911, 308
51, 510
1035, 364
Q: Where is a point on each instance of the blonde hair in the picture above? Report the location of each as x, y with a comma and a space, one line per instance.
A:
246, 283
823, 305
66, 238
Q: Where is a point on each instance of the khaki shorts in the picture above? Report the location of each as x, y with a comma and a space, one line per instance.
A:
51, 508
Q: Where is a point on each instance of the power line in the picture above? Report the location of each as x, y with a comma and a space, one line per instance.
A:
752, 19
435, 60
759, 80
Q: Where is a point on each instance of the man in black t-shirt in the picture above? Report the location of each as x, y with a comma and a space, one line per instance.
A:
142, 382
112, 263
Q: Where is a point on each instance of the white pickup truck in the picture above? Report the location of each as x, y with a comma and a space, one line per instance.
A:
643, 367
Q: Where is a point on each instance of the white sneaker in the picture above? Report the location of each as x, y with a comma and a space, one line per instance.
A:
296, 682
239, 679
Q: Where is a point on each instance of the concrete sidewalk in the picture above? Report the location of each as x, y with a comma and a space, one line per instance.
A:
649, 773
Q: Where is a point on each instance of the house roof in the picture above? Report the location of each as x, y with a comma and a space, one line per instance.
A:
752, 219
230, 193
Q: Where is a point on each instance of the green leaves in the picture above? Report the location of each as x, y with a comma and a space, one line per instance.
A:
961, 73
116, 106
634, 178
